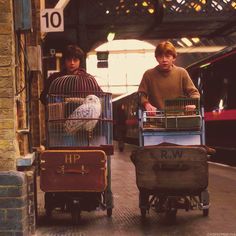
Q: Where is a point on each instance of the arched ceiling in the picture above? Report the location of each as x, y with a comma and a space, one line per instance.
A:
88, 22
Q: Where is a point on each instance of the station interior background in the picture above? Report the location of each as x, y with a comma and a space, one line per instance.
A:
197, 29
129, 59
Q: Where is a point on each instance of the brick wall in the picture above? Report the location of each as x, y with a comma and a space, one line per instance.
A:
13, 204
17, 202
31, 199
17, 199
8, 145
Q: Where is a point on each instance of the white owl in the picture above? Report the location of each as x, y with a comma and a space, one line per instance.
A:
84, 117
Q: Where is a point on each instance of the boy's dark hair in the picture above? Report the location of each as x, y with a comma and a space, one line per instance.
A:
73, 51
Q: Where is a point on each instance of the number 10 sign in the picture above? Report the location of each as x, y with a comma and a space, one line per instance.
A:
51, 20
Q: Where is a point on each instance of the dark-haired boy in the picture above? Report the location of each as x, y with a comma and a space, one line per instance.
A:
73, 58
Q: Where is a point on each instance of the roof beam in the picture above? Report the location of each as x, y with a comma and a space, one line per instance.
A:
61, 4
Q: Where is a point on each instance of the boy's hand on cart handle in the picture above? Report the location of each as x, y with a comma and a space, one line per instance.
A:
151, 110
39, 149
190, 107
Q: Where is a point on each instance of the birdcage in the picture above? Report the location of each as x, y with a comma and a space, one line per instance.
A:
78, 113
175, 115
177, 107
179, 115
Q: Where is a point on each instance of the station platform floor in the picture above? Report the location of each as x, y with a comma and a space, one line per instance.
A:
126, 218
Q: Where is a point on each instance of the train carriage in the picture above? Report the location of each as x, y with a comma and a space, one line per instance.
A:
75, 169
215, 78
129, 101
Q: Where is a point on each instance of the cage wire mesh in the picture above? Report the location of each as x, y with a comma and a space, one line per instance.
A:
175, 116
177, 106
78, 113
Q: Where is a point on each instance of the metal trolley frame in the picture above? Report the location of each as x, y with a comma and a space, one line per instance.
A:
173, 125
75, 168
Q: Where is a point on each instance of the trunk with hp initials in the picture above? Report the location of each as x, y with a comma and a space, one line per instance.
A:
73, 170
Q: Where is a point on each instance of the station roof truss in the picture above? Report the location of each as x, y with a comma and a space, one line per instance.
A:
155, 19
148, 19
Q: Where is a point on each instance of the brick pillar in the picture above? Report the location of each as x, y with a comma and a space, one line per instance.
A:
8, 143
13, 204
31, 199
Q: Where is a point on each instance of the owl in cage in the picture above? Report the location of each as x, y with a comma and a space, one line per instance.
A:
84, 117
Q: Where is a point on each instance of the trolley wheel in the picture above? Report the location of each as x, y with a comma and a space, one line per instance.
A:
49, 206
75, 213
109, 212
171, 215
63, 207
205, 212
143, 212
48, 212
121, 146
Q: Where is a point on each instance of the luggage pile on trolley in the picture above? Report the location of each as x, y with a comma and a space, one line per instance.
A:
75, 169
171, 162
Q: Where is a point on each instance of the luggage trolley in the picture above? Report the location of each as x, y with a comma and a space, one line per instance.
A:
75, 168
171, 162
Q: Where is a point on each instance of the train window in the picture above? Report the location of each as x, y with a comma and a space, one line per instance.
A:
211, 87
224, 94
200, 85
231, 96
216, 83
228, 81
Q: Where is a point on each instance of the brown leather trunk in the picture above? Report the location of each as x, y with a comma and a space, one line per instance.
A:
171, 169
73, 171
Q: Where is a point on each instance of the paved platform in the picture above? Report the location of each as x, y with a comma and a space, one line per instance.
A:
126, 218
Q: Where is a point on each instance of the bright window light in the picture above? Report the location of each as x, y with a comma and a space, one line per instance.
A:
151, 10
128, 60
180, 44
187, 42
221, 104
145, 4
110, 36
131, 44
196, 40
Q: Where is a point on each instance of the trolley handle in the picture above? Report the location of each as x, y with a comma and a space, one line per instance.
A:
63, 170
74, 171
170, 167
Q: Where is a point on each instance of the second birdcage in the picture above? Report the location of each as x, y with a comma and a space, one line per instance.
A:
178, 114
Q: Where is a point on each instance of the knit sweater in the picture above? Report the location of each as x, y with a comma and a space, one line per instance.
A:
157, 86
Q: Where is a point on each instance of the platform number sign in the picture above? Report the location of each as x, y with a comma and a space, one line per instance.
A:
52, 20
